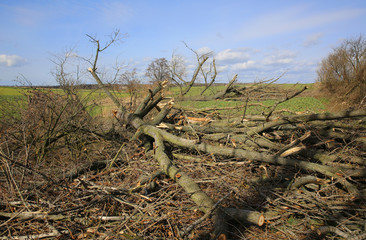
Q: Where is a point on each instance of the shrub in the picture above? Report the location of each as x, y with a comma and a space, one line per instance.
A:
343, 73
42, 123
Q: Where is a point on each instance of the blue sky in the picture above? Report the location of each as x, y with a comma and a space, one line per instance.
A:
254, 39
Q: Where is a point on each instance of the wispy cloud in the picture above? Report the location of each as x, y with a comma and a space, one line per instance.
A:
115, 12
312, 39
251, 63
12, 60
25, 16
244, 65
294, 19
204, 50
279, 57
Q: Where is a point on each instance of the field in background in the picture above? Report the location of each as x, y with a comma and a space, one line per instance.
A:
100, 105
295, 105
258, 102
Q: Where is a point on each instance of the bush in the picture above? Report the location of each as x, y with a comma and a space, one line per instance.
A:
343, 73
40, 124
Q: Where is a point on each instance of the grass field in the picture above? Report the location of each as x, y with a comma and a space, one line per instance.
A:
298, 104
100, 104
95, 99
9, 91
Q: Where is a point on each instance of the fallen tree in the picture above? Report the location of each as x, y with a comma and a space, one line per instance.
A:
171, 172
160, 138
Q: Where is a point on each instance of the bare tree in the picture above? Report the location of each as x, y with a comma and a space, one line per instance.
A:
67, 72
178, 69
114, 38
132, 83
158, 71
206, 71
203, 71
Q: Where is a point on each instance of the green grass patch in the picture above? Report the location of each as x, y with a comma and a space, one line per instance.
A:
99, 104
298, 104
297, 86
196, 90
293, 221
11, 91
94, 110
94, 99
100, 94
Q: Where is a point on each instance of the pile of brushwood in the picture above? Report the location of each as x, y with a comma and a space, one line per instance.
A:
161, 172
164, 173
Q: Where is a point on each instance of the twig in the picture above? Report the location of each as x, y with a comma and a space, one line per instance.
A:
203, 218
54, 233
15, 184
11, 218
115, 157
306, 180
284, 100
358, 237
245, 108
332, 229
284, 151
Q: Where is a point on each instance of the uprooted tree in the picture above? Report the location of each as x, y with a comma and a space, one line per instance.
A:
307, 169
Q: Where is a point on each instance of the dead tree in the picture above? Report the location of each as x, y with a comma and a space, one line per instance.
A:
154, 131
160, 137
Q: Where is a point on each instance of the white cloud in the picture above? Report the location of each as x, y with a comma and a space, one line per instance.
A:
204, 50
274, 61
280, 57
233, 55
12, 60
222, 68
244, 65
313, 39
250, 63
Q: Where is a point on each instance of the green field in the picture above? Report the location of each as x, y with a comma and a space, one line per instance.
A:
298, 105
93, 98
9, 91
99, 104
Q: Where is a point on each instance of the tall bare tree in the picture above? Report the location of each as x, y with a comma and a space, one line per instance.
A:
158, 70
178, 69
132, 83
